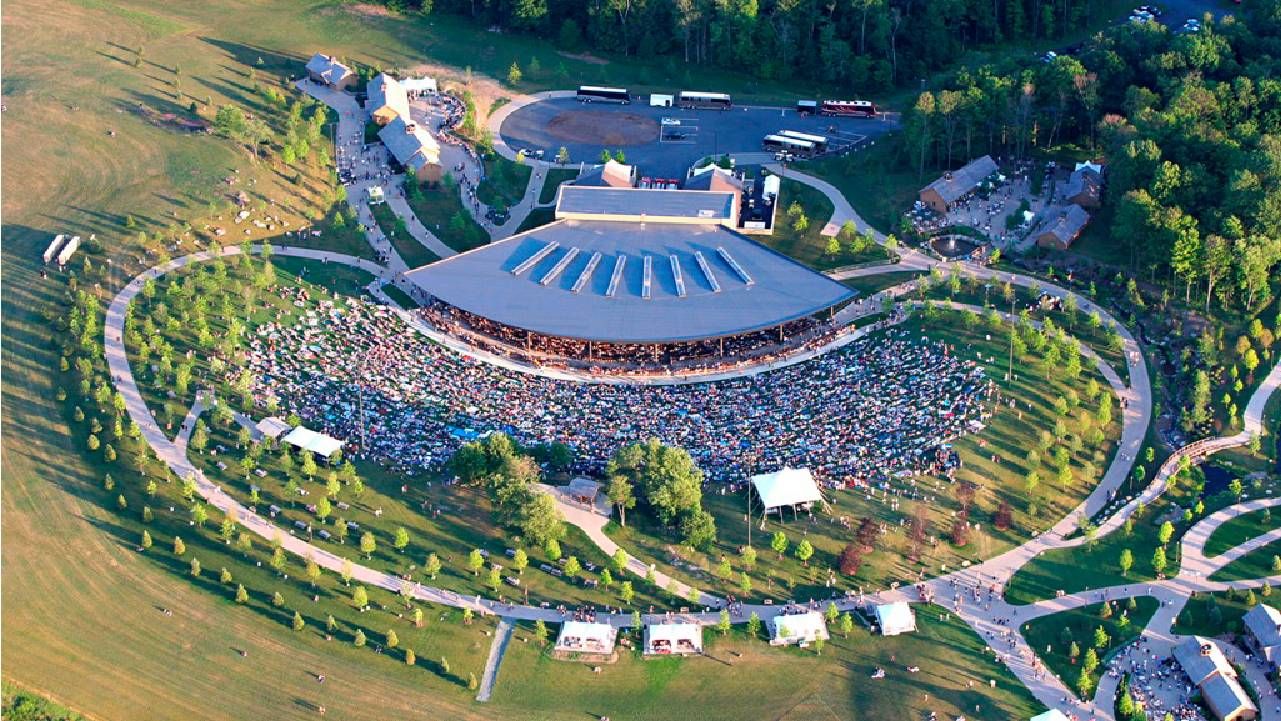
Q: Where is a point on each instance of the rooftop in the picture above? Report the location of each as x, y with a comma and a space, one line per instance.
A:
1064, 222
657, 206
586, 279
956, 184
410, 143
384, 91
327, 67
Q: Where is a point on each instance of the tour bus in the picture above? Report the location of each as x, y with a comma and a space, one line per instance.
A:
788, 145
692, 99
594, 94
854, 108
807, 107
819, 141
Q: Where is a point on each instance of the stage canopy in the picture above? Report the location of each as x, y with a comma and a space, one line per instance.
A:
788, 487
895, 618
309, 440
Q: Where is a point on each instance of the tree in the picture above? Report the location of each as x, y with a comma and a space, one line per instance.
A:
572, 567
620, 494
847, 624
804, 550
1158, 560
514, 74
619, 559
392, 639
744, 583
195, 567
432, 566
1126, 561
242, 596
368, 544
723, 622
1101, 638
278, 560
779, 543
359, 597
552, 549
475, 561
520, 560
540, 631
179, 547
1165, 532
748, 556
606, 578
1236, 488
359, 639
626, 592
410, 658
146, 539
224, 576
298, 624
313, 570
401, 539
323, 508
277, 599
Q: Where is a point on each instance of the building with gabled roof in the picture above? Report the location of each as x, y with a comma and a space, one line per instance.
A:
386, 99
1060, 225
1263, 629
413, 147
327, 70
955, 185
1085, 186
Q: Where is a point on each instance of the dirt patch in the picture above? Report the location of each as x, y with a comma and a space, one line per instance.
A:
584, 58
598, 127
369, 10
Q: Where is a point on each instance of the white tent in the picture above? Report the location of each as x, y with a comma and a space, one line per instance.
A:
318, 443
1051, 715
799, 628
788, 487
895, 618
419, 85
583, 637
272, 427
673, 638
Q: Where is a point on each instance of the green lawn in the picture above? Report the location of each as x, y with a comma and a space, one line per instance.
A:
875, 180
414, 254
21, 705
1052, 636
537, 217
1097, 564
1239, 530
504, 184
805, 241
872, 284
555, 177
1008, 435
442, 212
1258, 563
789, 684
1214, 614
401, 297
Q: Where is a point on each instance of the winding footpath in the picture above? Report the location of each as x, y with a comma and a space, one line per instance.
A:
953, 591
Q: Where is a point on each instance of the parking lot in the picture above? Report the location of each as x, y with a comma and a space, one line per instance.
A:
664, 141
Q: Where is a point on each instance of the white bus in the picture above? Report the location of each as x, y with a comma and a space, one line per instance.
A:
693, 99
819, 141
785, 144
595, 94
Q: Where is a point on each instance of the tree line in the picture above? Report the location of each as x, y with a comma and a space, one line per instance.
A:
864, 45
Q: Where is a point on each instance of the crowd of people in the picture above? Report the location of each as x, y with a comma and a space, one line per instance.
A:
712, 354
855, 416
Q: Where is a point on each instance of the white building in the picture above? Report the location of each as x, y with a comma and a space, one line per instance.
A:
798, 628
895, 618
673, 638
583, 637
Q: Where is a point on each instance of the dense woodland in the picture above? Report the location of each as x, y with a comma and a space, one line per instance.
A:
867, 45
1190, 125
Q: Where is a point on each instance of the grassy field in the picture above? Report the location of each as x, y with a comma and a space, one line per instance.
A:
873, 284
504, 184
442, 212
1258, 563
1052, 636
536, 218
1097, 564
874, 180
555, 177
805, 242
1213, 614
1239, 530
791, 684
414, 254
1009, 435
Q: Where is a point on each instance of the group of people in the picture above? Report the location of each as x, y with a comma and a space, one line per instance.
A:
860, 415
761, 346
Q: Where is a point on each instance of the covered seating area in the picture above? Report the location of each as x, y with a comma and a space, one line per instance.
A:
663, 639
309, 440
797, 628
272, 427
787, 488
585, 637
895, 618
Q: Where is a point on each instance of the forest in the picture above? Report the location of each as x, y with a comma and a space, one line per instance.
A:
1188, 123
863, 45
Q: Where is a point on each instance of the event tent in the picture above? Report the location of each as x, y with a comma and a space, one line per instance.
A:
1051, 715
788, 487
799, 628
583, 637
318, 443
272, 427
895, 618
673, 638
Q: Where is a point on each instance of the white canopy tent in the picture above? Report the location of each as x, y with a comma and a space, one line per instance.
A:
272, 427
309, 440
895, 618
1051, 715
789, 487
419, 85
583, 637
801, 628
673, 638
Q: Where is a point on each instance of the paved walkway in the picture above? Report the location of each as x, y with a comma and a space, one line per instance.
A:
497, 649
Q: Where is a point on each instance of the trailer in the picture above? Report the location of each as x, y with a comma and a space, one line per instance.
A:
68, 250
54, 246
807, 107
657, 100
819, 141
